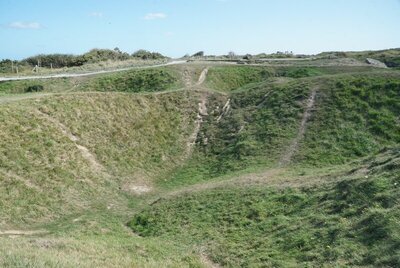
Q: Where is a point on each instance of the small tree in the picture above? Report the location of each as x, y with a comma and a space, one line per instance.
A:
147, 55
231, 55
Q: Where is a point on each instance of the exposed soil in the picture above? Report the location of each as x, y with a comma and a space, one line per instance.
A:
138, 189
186, 78
22, 232
206, 260
26, 181
202, 77
85, 152
225, 109
287, 156
202, 111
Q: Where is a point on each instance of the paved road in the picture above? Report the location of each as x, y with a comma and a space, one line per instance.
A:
87, 74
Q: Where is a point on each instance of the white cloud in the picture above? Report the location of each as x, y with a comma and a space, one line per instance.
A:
168, 34
25, 25
155, 16
96, 14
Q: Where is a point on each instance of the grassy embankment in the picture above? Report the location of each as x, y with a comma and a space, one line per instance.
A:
82, 198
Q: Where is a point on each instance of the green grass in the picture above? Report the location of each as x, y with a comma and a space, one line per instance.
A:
350, 223
149, 80
354, 117
104, 249
299, 72
49, 85
261, 122
133, 137
228, 78
335, 204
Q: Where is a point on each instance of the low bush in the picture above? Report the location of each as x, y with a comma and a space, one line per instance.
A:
34, 88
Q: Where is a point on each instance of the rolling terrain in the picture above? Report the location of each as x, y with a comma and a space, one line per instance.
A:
202, 164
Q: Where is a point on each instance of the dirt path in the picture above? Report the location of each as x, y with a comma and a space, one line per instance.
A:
27, 96
287, 157
12, 98
269, 176
87, 74
27, 182
187, 79
225, 109
133, 187
202, 111
22, 232
202, 77
206, 260
274, 177
85, 152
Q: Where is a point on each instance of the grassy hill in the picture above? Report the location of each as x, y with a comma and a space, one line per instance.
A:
278, 166
391, 57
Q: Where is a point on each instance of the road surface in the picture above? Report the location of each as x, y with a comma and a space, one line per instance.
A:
86, 74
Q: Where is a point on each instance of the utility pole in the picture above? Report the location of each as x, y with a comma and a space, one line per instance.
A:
12, 66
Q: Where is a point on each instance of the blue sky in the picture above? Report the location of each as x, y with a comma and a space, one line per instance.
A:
177, 27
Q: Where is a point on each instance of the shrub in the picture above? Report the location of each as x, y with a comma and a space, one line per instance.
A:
147, 55
34, 88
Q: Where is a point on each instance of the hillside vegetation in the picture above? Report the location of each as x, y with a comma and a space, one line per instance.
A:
391, 57
352, 223
61, 154
278, 166
46, 62
352, 117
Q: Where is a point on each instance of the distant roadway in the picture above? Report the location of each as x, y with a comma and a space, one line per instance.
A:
87, 74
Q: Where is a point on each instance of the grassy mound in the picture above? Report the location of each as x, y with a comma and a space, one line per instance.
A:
228, 78
149, 80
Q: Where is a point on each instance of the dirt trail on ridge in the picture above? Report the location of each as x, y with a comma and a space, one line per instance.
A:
202, 112
202, 77
287, 156
269, 176
186, 78
22, 232
85, 152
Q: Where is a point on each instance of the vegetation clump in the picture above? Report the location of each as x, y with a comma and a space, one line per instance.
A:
34, 88
147, 55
